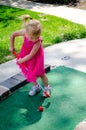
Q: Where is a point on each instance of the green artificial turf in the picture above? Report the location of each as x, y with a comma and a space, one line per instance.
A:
62, 111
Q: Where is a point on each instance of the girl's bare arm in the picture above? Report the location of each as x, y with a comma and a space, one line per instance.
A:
13, 36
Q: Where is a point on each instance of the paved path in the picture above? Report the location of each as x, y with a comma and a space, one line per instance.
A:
72, 14
71, 53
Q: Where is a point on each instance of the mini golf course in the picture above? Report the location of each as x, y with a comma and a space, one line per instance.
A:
62, 111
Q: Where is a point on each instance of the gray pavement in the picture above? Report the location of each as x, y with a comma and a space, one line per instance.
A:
72, 14
71, 54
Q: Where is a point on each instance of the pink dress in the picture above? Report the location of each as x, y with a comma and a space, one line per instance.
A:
33, 68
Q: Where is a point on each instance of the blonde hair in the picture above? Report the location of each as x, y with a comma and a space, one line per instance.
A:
33, 27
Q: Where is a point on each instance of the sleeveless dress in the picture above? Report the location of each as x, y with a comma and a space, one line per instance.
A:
33, 68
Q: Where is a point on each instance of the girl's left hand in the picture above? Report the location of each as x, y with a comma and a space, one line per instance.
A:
20, 61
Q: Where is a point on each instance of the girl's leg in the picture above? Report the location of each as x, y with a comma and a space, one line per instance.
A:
46, 85
44, 80
34, 83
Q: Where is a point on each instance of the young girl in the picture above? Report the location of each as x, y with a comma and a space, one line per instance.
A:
32, 55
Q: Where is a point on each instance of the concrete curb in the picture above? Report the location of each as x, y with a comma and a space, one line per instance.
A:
13, 83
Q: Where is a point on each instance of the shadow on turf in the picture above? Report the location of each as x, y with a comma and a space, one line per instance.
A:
21, 110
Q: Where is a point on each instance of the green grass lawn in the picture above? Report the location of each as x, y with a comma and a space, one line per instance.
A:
55, 29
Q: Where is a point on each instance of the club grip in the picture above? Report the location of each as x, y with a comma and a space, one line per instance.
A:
16, 55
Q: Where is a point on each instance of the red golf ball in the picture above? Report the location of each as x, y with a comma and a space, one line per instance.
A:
40, 108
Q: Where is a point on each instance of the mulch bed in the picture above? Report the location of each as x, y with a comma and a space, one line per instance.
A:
80, 4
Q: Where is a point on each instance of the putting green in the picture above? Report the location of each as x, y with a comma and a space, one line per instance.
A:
62, 111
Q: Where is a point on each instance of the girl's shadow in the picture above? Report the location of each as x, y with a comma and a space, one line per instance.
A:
31, 105
21, 110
